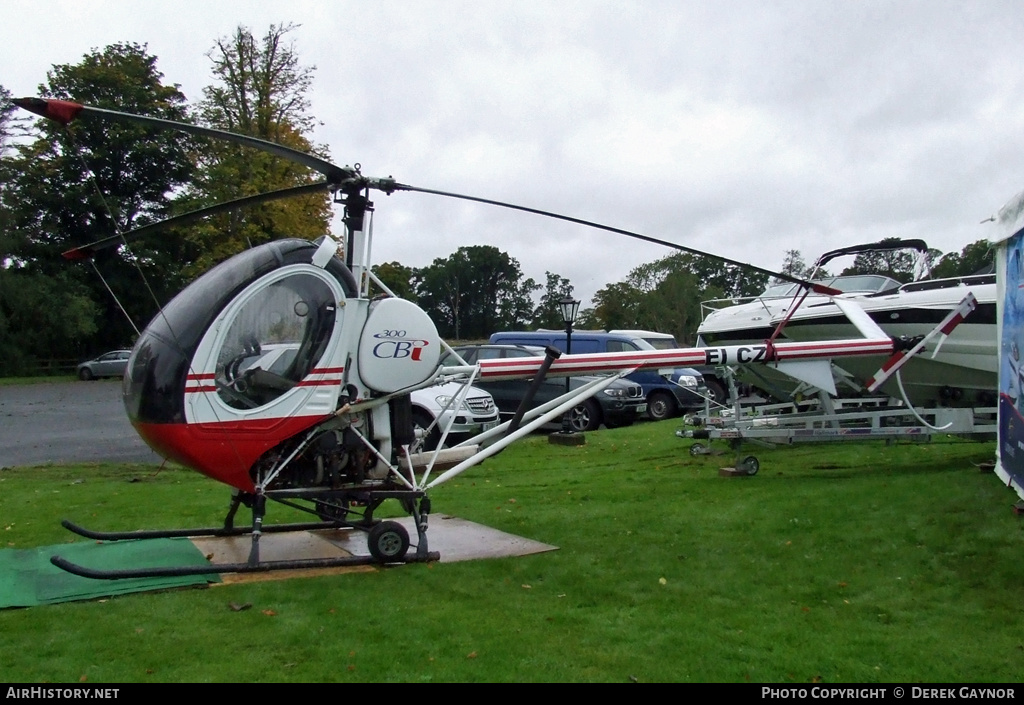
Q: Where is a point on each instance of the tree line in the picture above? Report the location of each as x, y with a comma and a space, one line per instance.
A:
66, 186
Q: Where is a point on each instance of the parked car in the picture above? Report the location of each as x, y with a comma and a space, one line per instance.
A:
665, 341
476, 414
111, 364
666, 397
617, 405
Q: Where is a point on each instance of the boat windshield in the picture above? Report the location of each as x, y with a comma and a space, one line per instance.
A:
779, 290
862, 283
849, 284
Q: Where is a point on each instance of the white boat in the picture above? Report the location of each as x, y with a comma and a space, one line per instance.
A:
963, 373
749, 319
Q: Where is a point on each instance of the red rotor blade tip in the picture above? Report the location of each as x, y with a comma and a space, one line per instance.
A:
63, 111
826, 290
77, 254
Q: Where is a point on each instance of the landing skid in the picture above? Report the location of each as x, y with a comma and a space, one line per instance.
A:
388, 541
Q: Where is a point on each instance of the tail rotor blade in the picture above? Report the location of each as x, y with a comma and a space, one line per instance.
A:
945, 327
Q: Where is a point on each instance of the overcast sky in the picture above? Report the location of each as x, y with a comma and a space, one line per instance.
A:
743, 128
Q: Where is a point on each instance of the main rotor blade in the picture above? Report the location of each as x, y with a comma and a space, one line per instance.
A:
87, 251
65, 111
819, 288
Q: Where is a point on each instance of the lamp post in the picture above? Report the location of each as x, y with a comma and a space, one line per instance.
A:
569, 308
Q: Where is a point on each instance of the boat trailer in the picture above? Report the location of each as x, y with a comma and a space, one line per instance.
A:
826, 419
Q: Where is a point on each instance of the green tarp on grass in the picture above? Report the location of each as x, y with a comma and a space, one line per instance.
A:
27, 578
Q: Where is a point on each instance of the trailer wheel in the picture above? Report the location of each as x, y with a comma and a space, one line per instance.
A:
388, 541
698, 449
749, 465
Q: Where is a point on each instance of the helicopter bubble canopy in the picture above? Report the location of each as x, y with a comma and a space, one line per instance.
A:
249, 346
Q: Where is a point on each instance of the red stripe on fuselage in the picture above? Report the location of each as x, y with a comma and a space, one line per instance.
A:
304, 383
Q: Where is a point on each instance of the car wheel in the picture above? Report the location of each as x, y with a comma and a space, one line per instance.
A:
586, 416
85, 374
421, 422
715, 390
661, 406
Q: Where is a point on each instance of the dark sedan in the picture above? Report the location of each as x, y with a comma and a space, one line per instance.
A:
617, 405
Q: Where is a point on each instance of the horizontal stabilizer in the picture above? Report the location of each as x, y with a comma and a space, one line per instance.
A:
817, 373
859, 318
945, 327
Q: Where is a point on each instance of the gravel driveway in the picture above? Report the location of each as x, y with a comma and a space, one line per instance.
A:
67, 422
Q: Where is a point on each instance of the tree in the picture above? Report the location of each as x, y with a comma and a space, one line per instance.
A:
548, 314
719, 279
72, 185
672, 291
587, 319
42, 316
897, 263
673, 306
260, 91
793, 264
12, 125
474, 292
397, 277
976, 257
263, 86
615, 306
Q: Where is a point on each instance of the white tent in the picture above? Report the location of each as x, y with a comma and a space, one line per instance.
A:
1010, 314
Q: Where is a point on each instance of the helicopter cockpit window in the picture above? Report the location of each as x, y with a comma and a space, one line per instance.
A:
274, 340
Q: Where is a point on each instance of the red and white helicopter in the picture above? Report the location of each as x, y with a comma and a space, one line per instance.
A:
277, 374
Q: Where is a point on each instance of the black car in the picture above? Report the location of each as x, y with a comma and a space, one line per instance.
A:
617, 405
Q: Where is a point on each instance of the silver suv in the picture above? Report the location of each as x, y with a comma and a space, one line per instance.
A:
476, 414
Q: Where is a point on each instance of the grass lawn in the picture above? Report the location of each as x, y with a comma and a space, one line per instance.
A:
857, 562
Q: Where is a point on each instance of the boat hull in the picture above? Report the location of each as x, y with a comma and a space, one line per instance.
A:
964, 372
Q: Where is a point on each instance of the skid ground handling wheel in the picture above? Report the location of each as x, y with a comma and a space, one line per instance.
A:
388, 541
